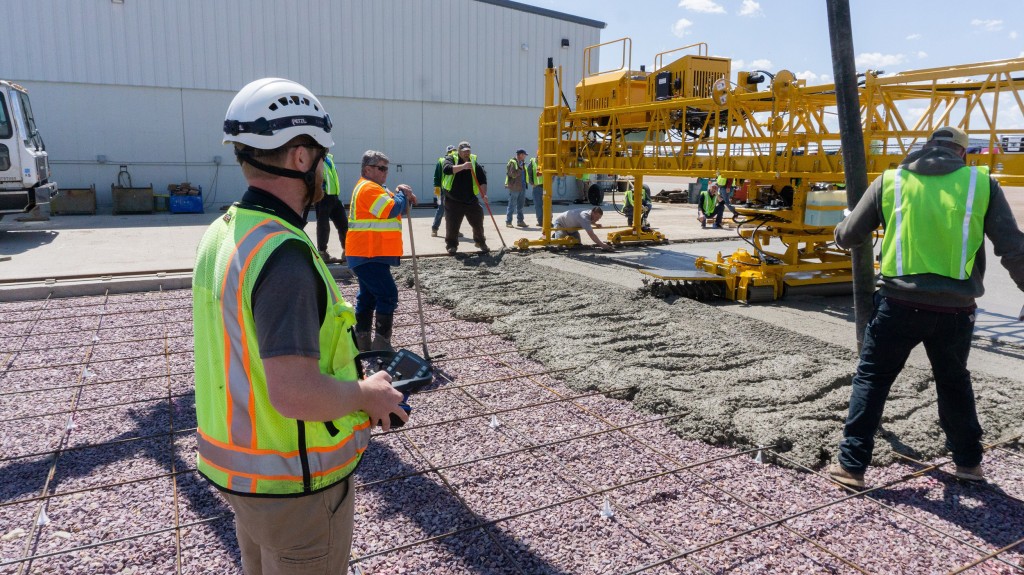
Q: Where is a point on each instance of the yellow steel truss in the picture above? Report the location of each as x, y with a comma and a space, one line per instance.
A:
779, 141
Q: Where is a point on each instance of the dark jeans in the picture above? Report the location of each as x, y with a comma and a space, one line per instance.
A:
377, 289
454, 211
716, 213
894, 331
328, 210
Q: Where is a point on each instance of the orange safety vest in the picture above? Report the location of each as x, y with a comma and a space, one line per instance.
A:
371, 233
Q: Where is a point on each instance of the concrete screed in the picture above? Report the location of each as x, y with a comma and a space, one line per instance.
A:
738, 380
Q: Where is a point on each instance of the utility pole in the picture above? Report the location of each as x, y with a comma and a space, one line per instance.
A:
854, 164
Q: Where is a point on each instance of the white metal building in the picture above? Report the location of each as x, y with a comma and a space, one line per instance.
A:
146, 82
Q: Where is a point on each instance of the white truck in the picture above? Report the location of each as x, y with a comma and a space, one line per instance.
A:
24, 164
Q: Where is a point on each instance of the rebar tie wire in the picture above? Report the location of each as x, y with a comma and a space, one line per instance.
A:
700, 477
899, 512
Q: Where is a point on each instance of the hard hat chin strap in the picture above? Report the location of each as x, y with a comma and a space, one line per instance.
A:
309, 176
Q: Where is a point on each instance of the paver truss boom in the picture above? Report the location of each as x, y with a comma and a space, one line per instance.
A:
688, 118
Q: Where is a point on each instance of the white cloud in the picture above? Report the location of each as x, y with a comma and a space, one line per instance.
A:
751, 8
811, 77
679, 28
914, 36
921, 54
761, 64
876, 60
1013, 35
707, 6
988, 25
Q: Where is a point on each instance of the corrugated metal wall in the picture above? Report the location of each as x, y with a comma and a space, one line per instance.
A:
146, 82
457, 51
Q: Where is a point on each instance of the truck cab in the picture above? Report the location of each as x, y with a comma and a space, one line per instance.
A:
24, 165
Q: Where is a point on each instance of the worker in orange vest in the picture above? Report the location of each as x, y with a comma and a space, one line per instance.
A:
372, 246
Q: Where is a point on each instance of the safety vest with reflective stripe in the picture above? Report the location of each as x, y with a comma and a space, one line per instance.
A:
331, 184
708, 202
245, 446
533, 176
371, 233
446, 182
933, 224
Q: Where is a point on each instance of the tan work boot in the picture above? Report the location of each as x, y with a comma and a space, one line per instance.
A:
975, 473
844, 477
382, 332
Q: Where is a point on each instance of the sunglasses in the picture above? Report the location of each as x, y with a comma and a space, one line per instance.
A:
381, 168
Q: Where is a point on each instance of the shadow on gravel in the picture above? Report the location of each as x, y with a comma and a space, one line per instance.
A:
424, 501
120, 452
983, 510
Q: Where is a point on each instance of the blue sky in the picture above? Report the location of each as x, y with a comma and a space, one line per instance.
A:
892, 35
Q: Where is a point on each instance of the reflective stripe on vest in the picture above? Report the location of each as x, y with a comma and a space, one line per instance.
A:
532, 177
934, 224
331, 184
446, 181
245, 445
370, 232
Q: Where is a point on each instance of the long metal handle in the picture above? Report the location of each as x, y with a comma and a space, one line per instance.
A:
416, 279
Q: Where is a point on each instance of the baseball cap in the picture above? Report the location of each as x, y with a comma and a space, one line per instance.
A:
464, 146
950, 134
450, 149
520, 151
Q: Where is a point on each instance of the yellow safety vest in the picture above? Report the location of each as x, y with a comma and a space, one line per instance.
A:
446, 182
245, 446
933, 224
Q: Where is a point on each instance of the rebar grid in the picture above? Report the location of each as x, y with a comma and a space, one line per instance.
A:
534, 448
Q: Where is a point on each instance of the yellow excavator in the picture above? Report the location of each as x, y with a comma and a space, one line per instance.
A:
689, 117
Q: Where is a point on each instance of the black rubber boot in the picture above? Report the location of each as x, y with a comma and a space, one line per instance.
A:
363, 323
382, 335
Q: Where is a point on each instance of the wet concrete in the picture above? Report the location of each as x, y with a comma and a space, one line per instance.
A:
735, 379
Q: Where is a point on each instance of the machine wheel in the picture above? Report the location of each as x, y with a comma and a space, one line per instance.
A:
595, 195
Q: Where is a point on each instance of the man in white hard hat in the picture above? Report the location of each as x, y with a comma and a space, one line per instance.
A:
936, 211
283, 415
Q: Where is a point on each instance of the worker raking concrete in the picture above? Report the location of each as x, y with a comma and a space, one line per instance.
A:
936, 211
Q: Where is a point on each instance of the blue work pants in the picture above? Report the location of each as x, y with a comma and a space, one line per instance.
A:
377, 289
538, 204
516, 203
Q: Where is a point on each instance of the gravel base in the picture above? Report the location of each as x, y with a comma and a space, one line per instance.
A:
522, 511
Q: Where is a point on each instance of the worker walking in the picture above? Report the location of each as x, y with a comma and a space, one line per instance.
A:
283, 418
710, 206
330, 210
465, 186
535, 181
374, 246
439, 192
585, 219
936, 211
726, 187
515, 182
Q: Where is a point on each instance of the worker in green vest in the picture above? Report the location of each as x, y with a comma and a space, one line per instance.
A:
710, 205
936, 211
645, 207
283, 414
330, 210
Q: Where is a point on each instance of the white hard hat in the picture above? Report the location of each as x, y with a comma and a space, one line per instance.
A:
269, 112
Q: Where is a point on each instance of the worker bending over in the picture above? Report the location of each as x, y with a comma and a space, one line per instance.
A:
584, 219
936, 212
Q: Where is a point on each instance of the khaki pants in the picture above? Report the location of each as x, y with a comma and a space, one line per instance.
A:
295, 535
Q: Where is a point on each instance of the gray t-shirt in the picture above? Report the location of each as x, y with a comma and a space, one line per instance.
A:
576, 218
289, 302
